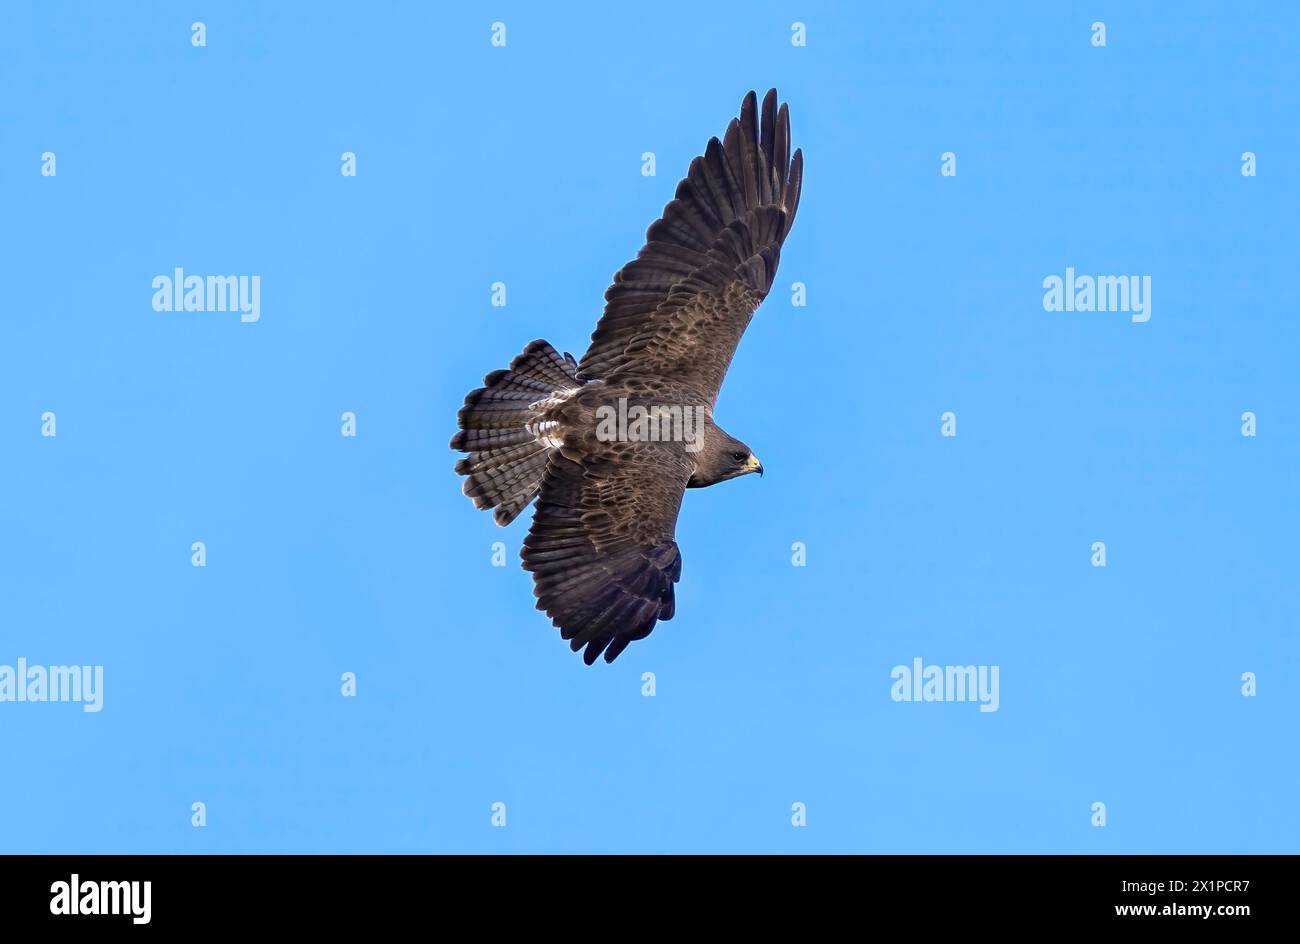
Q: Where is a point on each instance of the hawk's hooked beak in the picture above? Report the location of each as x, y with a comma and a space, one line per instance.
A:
754, 465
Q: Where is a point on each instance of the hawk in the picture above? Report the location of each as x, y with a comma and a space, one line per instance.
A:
601, 548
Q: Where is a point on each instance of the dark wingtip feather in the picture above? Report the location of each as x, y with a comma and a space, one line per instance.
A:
767, 126
793, 188
748, 108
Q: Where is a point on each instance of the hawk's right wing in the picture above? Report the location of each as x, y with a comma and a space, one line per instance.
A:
601, 548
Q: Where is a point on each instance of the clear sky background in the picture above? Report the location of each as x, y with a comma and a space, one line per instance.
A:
522, 164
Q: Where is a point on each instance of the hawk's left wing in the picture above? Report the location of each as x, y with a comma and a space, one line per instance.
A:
678, 310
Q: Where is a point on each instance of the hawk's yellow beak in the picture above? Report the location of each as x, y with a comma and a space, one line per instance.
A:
754, 465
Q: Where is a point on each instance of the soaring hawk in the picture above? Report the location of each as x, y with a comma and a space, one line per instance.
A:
601, 548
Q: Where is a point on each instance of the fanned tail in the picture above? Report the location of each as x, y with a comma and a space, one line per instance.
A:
501, 431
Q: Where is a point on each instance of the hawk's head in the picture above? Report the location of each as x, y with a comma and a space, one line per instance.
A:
722, 457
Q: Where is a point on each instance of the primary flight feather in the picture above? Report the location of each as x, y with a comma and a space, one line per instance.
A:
601, 548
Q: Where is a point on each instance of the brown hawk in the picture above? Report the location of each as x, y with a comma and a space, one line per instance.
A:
609, 444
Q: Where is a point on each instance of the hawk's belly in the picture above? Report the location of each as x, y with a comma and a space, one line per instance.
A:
608, 419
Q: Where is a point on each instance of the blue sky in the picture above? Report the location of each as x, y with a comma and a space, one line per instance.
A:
476, 164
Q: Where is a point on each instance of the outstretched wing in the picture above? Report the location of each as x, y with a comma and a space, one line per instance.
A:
601, 547
679, 309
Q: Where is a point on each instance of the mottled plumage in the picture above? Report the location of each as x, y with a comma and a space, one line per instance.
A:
601, 548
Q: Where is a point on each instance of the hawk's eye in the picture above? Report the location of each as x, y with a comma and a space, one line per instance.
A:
738, 456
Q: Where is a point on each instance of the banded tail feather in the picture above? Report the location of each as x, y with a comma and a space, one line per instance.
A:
508, 454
